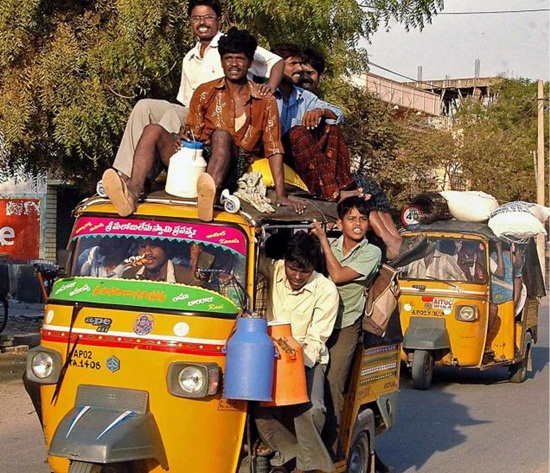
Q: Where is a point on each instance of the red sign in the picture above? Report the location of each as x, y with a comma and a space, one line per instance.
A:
20, 228
411, 215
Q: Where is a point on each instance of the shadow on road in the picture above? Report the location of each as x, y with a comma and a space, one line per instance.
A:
428, 422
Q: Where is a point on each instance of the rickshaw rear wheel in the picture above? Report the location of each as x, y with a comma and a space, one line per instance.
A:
85, 467
359, 460
518, 371
422, 369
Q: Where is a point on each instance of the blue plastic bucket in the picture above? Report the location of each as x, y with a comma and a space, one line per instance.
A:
249, 362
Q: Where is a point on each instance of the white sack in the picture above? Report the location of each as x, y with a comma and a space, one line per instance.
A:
470, 206
516, 220
540, 211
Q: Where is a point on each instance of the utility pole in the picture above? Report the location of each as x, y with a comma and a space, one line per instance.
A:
540, 171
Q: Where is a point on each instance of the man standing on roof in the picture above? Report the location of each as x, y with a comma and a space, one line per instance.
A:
201, 64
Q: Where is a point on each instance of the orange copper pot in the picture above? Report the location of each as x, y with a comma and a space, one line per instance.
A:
289, 383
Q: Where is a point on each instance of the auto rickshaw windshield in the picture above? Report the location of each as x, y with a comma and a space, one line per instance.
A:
204, 258
450, 259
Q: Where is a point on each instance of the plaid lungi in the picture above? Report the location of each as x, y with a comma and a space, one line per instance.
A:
321, 159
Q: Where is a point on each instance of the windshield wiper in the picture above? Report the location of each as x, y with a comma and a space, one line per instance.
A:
454, 286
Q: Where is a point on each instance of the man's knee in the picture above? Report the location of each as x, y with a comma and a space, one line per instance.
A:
154, 131
221, 136
317, 408
146, 106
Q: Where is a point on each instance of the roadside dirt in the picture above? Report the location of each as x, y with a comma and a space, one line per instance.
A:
23, 320
12, 366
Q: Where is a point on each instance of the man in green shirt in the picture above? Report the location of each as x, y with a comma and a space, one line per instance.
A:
352, 263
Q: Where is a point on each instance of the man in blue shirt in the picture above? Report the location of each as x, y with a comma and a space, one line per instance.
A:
313, 141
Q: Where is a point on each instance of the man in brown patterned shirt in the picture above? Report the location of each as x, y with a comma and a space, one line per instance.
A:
232, 119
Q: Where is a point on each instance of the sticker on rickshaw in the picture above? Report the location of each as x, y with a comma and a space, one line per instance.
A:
442, 303
228, 237
150, 294
143, 324
102, 324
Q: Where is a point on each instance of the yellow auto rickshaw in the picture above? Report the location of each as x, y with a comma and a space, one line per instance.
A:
131, 371
462, 305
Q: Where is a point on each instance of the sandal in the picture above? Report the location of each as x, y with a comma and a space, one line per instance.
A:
262, 450
118, 193
206, 194
411, 249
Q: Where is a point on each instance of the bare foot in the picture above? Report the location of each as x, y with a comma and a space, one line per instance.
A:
393, 246
352, 193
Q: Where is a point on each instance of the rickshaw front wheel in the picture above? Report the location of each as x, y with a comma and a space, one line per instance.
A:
422, 369
359, 460
85, 467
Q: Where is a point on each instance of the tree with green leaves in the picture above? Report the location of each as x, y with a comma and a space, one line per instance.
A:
497, 140
70, 72
489, 148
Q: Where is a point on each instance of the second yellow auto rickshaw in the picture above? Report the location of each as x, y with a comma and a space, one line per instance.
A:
470, 301
131, 372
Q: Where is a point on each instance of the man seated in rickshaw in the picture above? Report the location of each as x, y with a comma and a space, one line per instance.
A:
248, 122
309, 301
223, 280
471, 260
440, 263
154, 262
105, 260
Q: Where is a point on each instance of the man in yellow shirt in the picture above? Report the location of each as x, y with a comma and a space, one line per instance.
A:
309, 301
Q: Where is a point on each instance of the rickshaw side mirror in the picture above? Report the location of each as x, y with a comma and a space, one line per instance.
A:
62, 262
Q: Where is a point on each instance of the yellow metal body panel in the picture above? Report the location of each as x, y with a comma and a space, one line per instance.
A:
198, 434
439, 300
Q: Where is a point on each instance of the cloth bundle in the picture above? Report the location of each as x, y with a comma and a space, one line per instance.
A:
251, 189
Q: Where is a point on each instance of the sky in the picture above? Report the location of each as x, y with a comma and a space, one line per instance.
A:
515, 44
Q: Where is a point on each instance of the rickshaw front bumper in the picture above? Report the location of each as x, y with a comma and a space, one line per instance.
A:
426, 333
108, 425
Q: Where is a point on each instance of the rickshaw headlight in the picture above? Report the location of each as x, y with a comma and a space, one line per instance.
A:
193, 379
43, 365
466, 313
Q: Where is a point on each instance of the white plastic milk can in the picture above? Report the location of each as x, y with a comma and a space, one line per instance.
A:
184, 169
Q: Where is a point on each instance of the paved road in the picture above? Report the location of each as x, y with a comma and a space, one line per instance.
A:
467, 422
471, 421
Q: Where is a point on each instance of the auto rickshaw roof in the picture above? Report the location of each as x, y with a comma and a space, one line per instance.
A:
455, 226
315, 209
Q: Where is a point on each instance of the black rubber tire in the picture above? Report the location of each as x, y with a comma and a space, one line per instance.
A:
518, 371
84, 467
359, 459
422, 369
